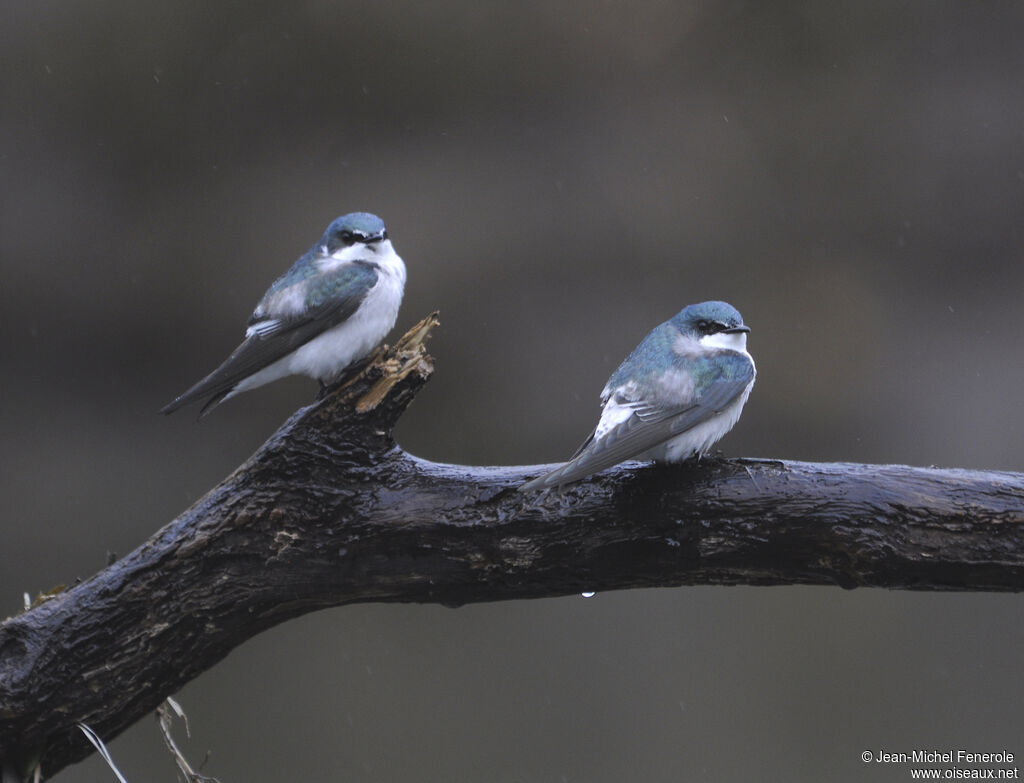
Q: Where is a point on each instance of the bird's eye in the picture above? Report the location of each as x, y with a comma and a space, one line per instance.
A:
705, 327
348, 237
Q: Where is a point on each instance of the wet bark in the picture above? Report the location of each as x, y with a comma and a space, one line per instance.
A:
331, 511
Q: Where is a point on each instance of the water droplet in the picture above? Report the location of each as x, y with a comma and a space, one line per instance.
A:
588, 595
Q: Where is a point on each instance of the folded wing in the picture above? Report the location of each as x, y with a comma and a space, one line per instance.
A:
644, 424
274, 336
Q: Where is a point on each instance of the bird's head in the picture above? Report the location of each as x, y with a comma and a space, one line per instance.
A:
353, 230
714, 324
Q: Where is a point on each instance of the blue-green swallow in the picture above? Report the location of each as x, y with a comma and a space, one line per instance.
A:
674, 397
332, 308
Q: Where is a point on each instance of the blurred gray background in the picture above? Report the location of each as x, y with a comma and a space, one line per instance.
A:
559, 177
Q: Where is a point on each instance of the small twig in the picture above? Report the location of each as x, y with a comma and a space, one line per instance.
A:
752, 479
165, 718
101, 748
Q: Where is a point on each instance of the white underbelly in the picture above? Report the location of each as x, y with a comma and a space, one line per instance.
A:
699, 440
328, 354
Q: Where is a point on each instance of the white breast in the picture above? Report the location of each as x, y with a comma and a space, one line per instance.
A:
327, 355
324, 357
699, 440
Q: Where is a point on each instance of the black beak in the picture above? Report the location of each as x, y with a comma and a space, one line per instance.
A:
737, 329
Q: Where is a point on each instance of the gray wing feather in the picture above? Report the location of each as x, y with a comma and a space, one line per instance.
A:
263, 349
649, 426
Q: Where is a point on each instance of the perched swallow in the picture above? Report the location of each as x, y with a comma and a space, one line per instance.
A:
675, 396
332, 308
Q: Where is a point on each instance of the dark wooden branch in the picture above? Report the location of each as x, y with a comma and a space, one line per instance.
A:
330, 511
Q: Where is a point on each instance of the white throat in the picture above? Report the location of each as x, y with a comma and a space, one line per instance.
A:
731, 341
380, 252
383, 254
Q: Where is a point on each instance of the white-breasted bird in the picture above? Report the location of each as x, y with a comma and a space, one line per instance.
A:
673, 397
332, 308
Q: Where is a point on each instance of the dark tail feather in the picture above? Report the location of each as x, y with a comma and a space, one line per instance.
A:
197, 392
212, 403
561, 474
554, 478
171, 407
536, 484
